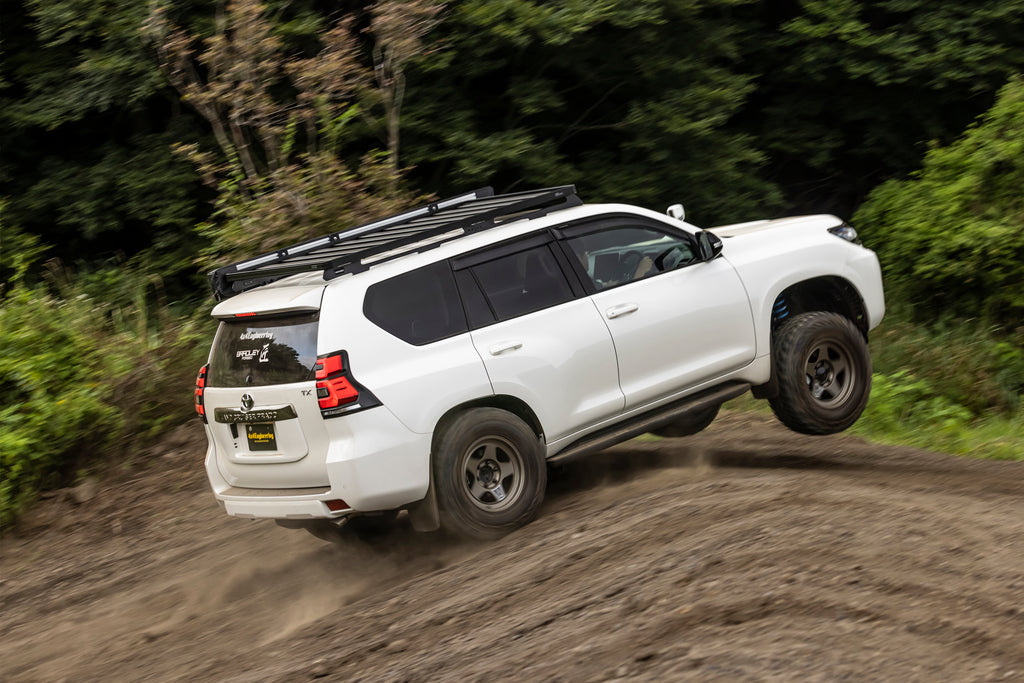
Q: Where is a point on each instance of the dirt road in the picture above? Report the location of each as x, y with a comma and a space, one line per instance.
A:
745, 553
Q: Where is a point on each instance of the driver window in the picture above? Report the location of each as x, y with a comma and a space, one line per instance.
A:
615, 256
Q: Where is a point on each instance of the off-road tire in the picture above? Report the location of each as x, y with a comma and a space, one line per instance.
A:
489, 474
689, 424
823, 368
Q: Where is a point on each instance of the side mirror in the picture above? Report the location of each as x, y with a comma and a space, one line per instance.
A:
676, 211
709, 244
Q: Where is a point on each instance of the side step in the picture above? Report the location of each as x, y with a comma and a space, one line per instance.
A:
647, 421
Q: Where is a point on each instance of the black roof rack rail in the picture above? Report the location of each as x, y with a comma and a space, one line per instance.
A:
354, 249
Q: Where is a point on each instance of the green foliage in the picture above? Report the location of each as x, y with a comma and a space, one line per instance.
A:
281, 121
85, 379
849, 90
86, 129
906, 409
631, 101
975, 366
952, 386
56, 400
951, 238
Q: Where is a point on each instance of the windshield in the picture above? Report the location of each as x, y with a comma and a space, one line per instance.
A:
267, 350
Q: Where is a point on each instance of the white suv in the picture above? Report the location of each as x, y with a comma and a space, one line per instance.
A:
435, 361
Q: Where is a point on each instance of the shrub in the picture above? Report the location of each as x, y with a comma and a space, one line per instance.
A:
951, 238
84, 380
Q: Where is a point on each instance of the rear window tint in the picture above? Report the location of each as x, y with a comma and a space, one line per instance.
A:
266, 350
523, 282
418, 307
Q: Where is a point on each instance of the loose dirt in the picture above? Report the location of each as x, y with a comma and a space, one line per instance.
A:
744, 553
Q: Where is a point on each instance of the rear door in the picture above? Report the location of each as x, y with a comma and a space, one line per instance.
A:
676, 321
261, 403
540, 338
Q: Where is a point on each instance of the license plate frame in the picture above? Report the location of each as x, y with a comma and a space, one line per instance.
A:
261, 436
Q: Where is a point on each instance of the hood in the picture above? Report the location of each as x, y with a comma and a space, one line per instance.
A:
736, 229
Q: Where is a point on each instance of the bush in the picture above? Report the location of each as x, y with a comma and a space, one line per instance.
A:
951, 238
52, 374
970, 363
84, 380
906, 409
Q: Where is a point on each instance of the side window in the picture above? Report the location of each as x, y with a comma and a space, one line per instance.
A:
522, 282
418, 307
615, 256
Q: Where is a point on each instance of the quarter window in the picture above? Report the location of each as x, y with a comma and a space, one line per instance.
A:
418, 307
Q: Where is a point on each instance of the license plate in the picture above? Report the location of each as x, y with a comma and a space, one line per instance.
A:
261, 437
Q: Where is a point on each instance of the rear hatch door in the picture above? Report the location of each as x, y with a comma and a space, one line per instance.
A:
261, 404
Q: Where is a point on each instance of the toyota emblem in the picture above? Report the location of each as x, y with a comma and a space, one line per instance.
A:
247, 403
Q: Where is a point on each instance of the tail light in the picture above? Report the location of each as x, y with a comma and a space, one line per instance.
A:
336, 390
200, 386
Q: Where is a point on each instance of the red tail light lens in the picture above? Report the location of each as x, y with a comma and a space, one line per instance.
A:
337, 391
200, 386
333, 388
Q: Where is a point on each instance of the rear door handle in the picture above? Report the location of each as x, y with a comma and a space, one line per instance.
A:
621, 310
501, 348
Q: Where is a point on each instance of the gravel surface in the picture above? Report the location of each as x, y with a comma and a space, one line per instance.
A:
744, 553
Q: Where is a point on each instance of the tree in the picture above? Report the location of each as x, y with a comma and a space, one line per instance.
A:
630, 100
281, 120
850, 92
86, 128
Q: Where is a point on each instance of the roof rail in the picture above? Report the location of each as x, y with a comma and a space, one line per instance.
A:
355, 249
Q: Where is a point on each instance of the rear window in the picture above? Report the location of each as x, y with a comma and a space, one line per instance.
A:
266, 350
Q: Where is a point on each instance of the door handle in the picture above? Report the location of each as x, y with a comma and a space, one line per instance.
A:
501, 348
621, 309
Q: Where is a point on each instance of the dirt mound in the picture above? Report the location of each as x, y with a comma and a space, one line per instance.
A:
747, 552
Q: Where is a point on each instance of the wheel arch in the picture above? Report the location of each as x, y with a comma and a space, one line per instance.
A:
510, 404
826, 293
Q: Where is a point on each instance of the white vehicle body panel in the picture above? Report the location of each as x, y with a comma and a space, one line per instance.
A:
579, 366
559, 361
770, 256
678, 329
417, 383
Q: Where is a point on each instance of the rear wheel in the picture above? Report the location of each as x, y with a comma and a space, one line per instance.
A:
489, 474
824, 372
689, 424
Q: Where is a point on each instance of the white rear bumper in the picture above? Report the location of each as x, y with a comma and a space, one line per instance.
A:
373, 462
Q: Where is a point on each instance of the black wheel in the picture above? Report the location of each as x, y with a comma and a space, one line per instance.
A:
824, 372
489, 474
689, 424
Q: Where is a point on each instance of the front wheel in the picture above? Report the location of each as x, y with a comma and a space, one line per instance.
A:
824, 373
489, 474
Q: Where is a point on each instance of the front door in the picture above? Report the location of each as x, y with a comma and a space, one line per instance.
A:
676, 321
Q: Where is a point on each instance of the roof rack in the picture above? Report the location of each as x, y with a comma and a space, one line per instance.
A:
355, 249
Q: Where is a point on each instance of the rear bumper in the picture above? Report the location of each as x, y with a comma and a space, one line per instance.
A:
373, 462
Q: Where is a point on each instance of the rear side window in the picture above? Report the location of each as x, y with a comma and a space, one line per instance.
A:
418, 307
266, 350
523, 282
